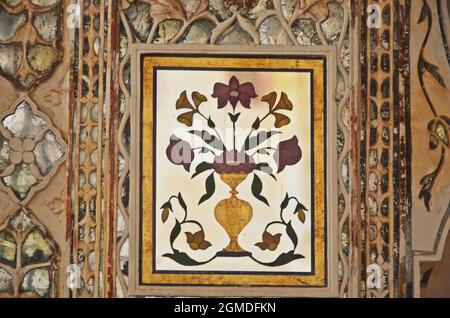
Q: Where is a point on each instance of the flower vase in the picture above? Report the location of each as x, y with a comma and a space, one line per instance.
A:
233, 214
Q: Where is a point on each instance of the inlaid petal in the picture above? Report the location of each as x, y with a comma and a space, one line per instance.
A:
220, 90
247, 89
234, 83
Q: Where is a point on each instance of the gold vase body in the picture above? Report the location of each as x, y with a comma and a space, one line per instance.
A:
233, 214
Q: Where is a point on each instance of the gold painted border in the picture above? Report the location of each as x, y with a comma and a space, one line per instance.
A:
147, 277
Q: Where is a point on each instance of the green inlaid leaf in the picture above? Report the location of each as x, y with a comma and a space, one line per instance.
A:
257, 189
211, 123
175, 232
285, 202
291, 233
433, 70
183, 259
210, 186
181, 201
264, 167
201, 167
283, 259
252, 142
234, 117
211, 140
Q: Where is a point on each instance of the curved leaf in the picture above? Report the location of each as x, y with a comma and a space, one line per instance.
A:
252, 142
175, 232
181, 201
257, 189
166, 205
211, 140
183, 259
234, 117
256, 123
300, 207
433, 70
205, 150
211, 123
264, 167
282, 259
210, 186
291, 233
285, 202
201, 167
424, 13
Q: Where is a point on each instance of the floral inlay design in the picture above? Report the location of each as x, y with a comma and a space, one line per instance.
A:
30, 41
234, 93
27, 257
233, 164
439, 126
306, 22
30, 150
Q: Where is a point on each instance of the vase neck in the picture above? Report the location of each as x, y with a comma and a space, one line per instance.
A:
233, 180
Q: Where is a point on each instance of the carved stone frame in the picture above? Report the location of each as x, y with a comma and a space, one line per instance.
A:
331, 290
36, 188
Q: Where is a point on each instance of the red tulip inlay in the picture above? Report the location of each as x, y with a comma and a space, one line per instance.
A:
234, 93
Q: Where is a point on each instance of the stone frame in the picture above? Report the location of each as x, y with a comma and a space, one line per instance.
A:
138, 289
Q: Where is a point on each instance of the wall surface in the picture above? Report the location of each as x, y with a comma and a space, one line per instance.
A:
65, 102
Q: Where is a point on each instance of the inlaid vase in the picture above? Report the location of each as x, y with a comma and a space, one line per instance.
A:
233, 214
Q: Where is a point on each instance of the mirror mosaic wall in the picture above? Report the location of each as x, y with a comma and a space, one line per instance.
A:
66, 119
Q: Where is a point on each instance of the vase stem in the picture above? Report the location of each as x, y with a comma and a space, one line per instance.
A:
233, 214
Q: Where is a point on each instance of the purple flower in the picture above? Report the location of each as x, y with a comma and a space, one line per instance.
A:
288, 153
180, 152
233, 162
233, 93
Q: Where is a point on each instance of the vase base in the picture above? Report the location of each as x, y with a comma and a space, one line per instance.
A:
233, 254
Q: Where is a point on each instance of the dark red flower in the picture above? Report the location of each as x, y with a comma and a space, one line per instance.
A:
180, 152
233, 93
288, 153
233, 162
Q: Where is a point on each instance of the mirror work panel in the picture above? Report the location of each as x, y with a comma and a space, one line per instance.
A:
147, 144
